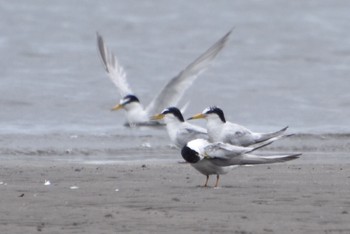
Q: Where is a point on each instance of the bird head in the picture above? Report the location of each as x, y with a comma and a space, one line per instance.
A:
189, 154
210, 112
192, 152
126, 101
170, 113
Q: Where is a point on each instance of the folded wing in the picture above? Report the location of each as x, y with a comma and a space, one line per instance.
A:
227, 151
250, 159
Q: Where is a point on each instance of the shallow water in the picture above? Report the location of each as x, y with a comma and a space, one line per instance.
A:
151, 146
287, 62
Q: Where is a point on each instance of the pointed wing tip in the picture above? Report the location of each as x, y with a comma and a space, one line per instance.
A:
260, 146
294, 156
227, 35
221, 43
100, 41
289, 135
230, 31
103, 51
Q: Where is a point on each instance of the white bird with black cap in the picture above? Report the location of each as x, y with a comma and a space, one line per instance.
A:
180, 131
220, 130
219, 158
170, 95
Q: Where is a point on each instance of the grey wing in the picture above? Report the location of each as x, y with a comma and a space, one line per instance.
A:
171, 94
223, 154
250, 159
114, 70
238, 135
191, 133
225, 151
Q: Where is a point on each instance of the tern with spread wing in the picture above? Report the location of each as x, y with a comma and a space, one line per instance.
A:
219, 158
180, 131
170, 95
220, 130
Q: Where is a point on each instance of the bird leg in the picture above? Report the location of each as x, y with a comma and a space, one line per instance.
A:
206, 181
217, 181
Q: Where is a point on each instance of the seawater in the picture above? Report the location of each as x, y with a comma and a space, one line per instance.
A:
287, 62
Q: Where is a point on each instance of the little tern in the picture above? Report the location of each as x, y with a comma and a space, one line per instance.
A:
180, 131
220, 130
219, 158
170, 95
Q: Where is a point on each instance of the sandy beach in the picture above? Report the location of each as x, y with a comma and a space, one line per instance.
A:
67, 164
308, 195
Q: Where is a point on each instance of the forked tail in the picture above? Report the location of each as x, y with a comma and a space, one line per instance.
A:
267, 136
250, 159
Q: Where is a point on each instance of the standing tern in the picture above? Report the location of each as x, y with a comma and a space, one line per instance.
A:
180, 131
170, 95
220, 130
219, 158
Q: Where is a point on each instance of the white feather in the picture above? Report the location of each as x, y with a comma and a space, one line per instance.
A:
173, 91
114, 70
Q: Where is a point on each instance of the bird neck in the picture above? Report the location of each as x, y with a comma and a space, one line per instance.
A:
214, 122
214, 128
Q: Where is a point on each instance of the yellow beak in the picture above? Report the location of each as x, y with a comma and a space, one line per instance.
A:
197, 116
157, 117
117, 107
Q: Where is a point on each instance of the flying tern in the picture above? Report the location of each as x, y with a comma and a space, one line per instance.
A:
171, 93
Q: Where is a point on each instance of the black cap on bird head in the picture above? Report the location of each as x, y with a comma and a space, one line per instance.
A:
129, 99
126, 100
215, 110
175, 111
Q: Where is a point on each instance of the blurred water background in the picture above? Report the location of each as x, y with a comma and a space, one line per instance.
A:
287, 62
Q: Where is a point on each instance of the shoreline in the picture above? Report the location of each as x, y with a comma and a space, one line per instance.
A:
70, 144
168, 198
105, 184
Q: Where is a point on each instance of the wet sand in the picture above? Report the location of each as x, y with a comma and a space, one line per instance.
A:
287, 63
308, 195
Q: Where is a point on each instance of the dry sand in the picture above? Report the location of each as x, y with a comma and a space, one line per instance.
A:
302, 196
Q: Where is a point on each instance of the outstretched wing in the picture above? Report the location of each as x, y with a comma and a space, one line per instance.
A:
114, 70
175, 89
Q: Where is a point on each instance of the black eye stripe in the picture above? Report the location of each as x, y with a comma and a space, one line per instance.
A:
215, 110
175, 111
166, 111
130, 98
